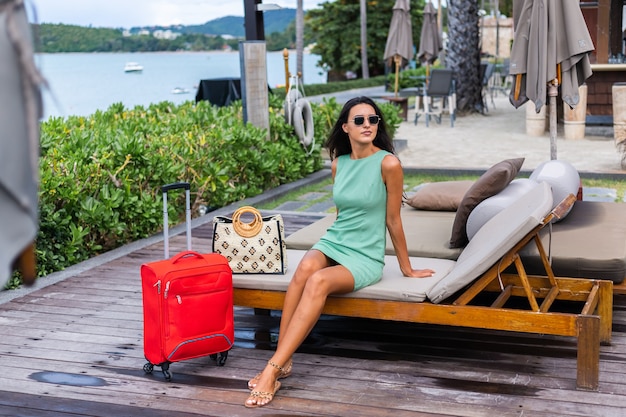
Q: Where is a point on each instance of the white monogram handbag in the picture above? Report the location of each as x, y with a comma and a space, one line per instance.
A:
254, 247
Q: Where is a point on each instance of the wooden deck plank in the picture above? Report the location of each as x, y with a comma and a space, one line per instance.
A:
351, 383
207, 393
91, 324
512, 355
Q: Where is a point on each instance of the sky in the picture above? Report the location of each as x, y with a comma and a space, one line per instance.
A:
129, 13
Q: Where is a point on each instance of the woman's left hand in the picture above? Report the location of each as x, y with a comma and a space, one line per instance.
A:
420, 273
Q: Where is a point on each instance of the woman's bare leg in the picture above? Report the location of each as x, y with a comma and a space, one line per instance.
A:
331, 280
312, 262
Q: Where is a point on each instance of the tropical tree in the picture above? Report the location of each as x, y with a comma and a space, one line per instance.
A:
335, 27
463, 53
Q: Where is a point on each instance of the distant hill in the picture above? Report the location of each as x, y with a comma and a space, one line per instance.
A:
55, 38
274, 20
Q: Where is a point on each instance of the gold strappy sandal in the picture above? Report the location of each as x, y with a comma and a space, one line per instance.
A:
284, 373
262, 398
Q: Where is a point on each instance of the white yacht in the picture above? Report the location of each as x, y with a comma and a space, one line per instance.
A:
179, 90
133, 67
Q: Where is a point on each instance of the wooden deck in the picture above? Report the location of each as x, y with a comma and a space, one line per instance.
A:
75, 348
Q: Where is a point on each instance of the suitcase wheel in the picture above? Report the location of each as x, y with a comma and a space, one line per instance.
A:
165, 368
148, 368
220, 358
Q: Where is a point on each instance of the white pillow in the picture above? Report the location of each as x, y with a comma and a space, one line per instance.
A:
491, 206
562, 177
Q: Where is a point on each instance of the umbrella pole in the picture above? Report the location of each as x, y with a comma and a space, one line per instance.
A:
553, 91
397, 59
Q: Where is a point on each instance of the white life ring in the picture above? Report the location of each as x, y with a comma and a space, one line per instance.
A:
292, 97
302, 120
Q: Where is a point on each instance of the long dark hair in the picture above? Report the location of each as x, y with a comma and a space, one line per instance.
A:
338, 142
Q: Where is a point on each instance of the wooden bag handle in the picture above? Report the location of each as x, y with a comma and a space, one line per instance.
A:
247, 229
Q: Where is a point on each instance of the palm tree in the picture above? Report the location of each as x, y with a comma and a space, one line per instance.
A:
463, 53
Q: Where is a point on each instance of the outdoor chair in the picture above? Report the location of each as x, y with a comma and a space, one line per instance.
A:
487, 70
439, 97
501, 80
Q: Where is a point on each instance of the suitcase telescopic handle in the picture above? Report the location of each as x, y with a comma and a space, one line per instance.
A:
164, 190
175, 186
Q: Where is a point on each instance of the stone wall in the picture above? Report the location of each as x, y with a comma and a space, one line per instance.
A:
504, 30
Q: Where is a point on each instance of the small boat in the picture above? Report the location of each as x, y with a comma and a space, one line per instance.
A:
179, 90
133, 67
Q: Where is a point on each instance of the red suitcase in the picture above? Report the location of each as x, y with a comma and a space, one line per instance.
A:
187, 303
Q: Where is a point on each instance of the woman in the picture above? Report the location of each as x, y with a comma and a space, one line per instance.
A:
367, 191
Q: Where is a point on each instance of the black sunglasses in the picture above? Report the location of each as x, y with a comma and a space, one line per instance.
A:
359, 120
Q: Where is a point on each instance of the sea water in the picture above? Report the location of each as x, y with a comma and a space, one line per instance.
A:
81, 83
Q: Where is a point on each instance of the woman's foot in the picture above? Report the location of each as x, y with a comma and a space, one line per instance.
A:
266, 389
261, 398
284, 372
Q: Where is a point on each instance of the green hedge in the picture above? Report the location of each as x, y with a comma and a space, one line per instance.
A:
100, 174
335, 86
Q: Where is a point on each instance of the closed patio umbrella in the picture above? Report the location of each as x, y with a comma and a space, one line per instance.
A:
551, 47
430, 39
399, 46
20, 100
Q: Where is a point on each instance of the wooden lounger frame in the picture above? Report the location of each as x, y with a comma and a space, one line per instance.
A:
591, 325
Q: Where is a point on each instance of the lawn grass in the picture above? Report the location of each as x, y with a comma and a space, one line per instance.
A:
413, 180
322, 187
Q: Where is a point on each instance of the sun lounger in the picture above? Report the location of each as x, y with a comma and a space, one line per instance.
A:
474, 290
590, 242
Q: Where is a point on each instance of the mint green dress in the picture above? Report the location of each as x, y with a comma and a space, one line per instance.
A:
357, 238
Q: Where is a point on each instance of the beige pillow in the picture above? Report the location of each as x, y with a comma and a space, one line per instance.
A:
440, 196
490, 183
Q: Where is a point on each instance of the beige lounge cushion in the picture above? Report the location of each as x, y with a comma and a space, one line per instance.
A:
306, 237
393, 285
494, 239
589, 243
490, 183
443, 195
427, 234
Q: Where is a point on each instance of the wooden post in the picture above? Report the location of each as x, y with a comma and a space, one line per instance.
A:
287, 74
588, 356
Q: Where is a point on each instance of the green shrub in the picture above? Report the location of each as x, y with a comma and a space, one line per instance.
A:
100, 175
327, 88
